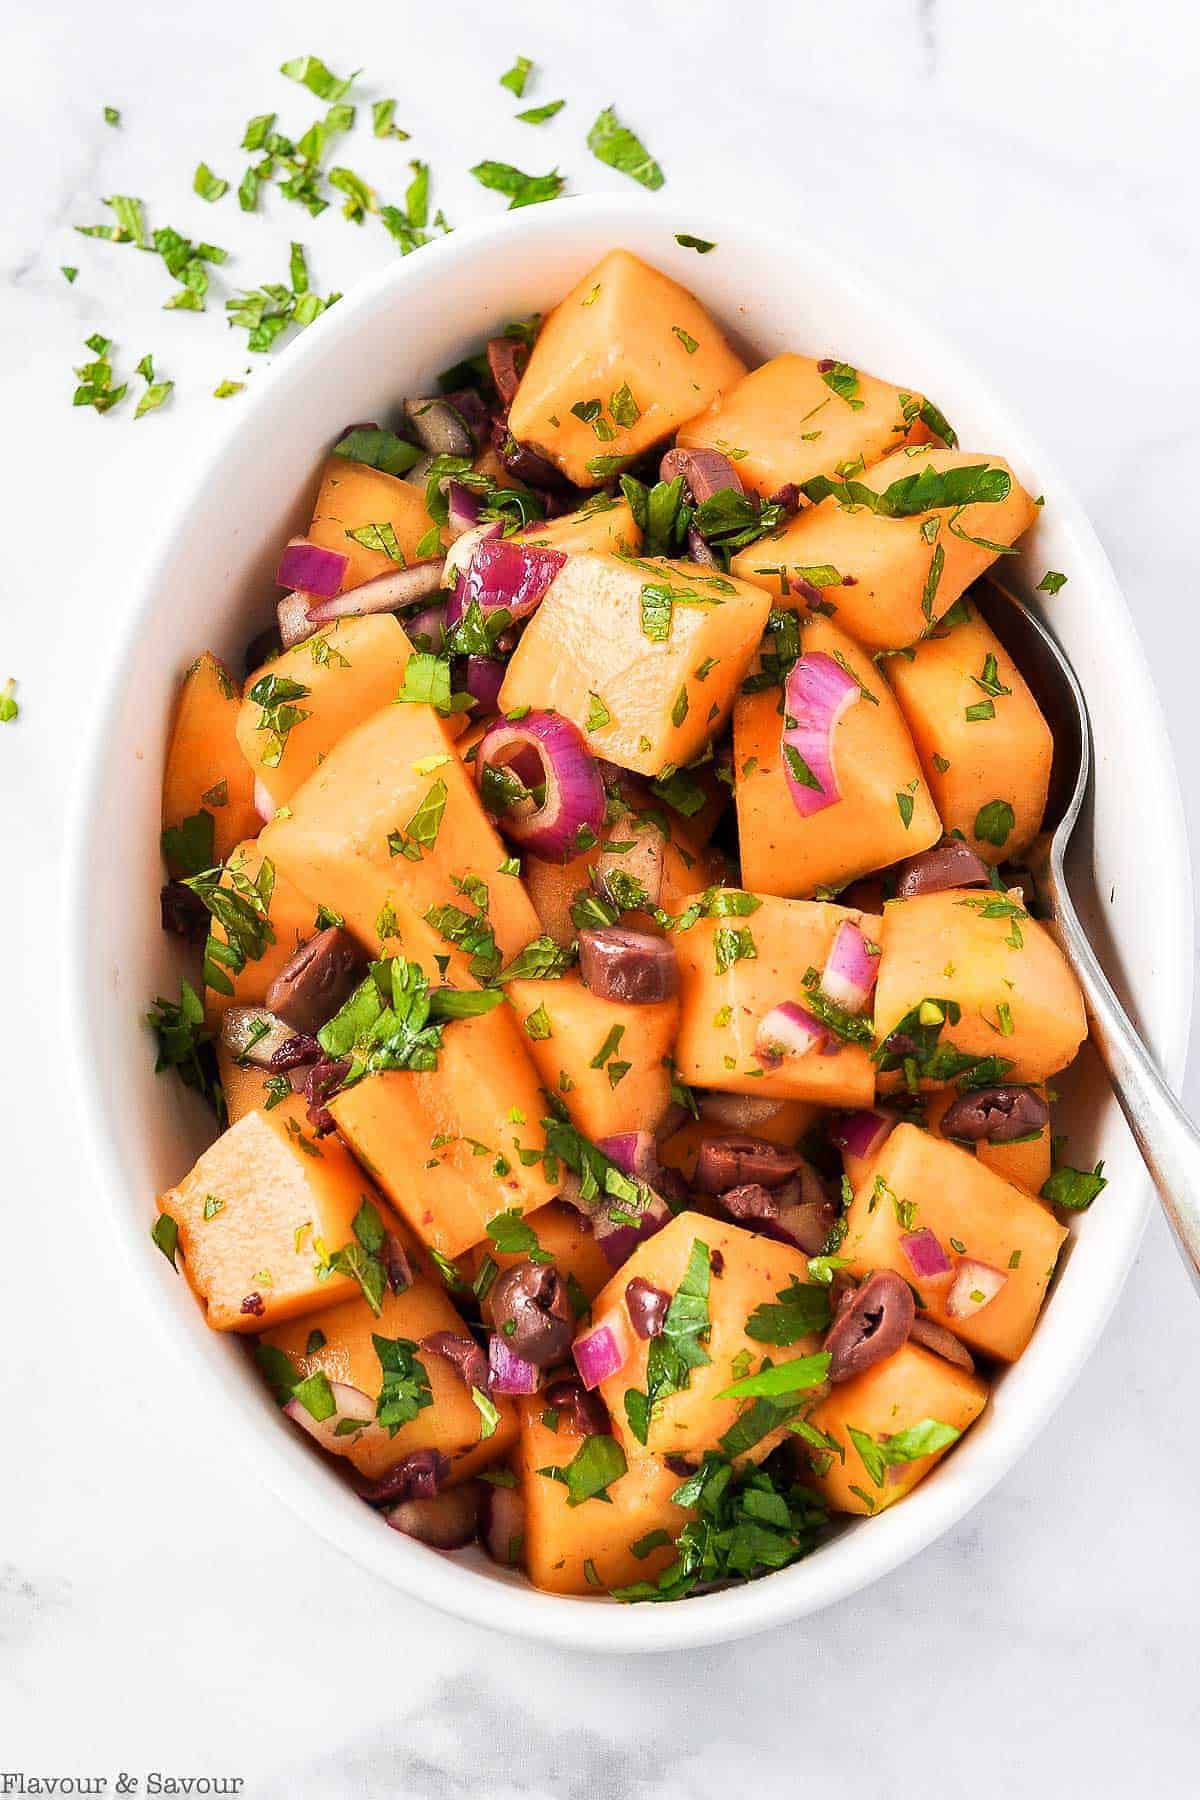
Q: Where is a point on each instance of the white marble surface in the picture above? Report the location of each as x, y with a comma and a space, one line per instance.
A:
1025, 174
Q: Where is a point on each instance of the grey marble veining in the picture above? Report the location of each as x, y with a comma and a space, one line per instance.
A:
1025, 176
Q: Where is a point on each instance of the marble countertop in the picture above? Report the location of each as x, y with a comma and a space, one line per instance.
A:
1024, 175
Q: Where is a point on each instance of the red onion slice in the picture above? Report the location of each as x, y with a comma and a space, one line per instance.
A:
545, 748
386, 593
634, 1153
861, 1134
975, 1285
619, 1241
925, 1255
509, 1373
786, 1032
506, 361
349, 1403
426, 630
850, 968
264, 806
462, 508
484, 677
818, 691
503, 573
311, 567
603, 1351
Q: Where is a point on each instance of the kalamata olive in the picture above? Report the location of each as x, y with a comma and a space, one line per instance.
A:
506, 360
705, 472
299, 1049
417, 1476
396, 1262
502, 1523
534, 470
646, 1305
872, 1322
322, 1081
787, 496
950, 865
183, 913
698, 550
466, 1356
445, 1522
942, 1342
731, 1162
995, 1115
316, 980
632, 967
799, 1213
867, 894
532, 1311
586, 1411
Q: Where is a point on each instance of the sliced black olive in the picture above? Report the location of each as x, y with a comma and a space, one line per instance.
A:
532, 1311
646, 1305
872, 1322
633, 967
995, 1115
731, 1162
950, 865
705, 472
316, 980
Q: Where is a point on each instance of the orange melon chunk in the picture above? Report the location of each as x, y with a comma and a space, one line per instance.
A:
750, 1271
898, 1393
724, 998
1026, 1162
354, 497
452, 1424
643, 701
984, 746
348, 671
920, 1182
445, 1144
586, 1548
205, 769
383, 830
890, 579
609, 1063
884, 813
259, 1215
631, 351
291, 916
783, 422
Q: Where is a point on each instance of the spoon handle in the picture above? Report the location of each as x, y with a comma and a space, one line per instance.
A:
1166, 1137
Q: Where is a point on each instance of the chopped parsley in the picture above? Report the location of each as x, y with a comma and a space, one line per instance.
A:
994, 823
678, 1348
922, 1439
1074, 1189
405, 1389
597, 1463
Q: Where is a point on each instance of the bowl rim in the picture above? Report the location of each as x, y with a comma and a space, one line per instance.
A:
286, 1466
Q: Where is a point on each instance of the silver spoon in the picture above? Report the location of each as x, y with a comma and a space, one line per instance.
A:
1166, 1137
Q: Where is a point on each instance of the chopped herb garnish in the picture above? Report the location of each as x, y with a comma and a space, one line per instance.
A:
521, 189
688, 242
597, 1463
613, 143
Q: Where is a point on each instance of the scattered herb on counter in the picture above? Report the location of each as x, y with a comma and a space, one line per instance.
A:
613, 143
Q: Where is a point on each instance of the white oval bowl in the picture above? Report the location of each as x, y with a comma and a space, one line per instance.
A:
210, 586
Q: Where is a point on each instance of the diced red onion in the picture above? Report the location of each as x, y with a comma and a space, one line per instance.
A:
619, 1241
547, 748
817, 692
448, 1521
264, 806
292, 615
426, 630
786, 1032
603, 1350
463, 549
388, 592
926, 1258
634, 1153
349, 1403
850, 968
861, 1134
503, 573
462, 504
311, 567
502, 1523
642, 863
484, 676
975, 1285
510, 1374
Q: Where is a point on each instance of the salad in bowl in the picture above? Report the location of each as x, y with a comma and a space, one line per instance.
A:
628, 1029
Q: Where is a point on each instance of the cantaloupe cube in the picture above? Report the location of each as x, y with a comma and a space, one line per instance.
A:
884, 813
348, 671
732, 971
984, 746
785, 1125
744, 1271
602, 525
1026, 1161
341, 1340
617, 366
205, 770
553, 887
445, 1144
290, 914
246, 1090
980, 950
587, 1548
644, 656
919, 1183
564, 1234
353, 497
895, 1395
890, 579
609, 1062
785, 422
384, 829
260, 1214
